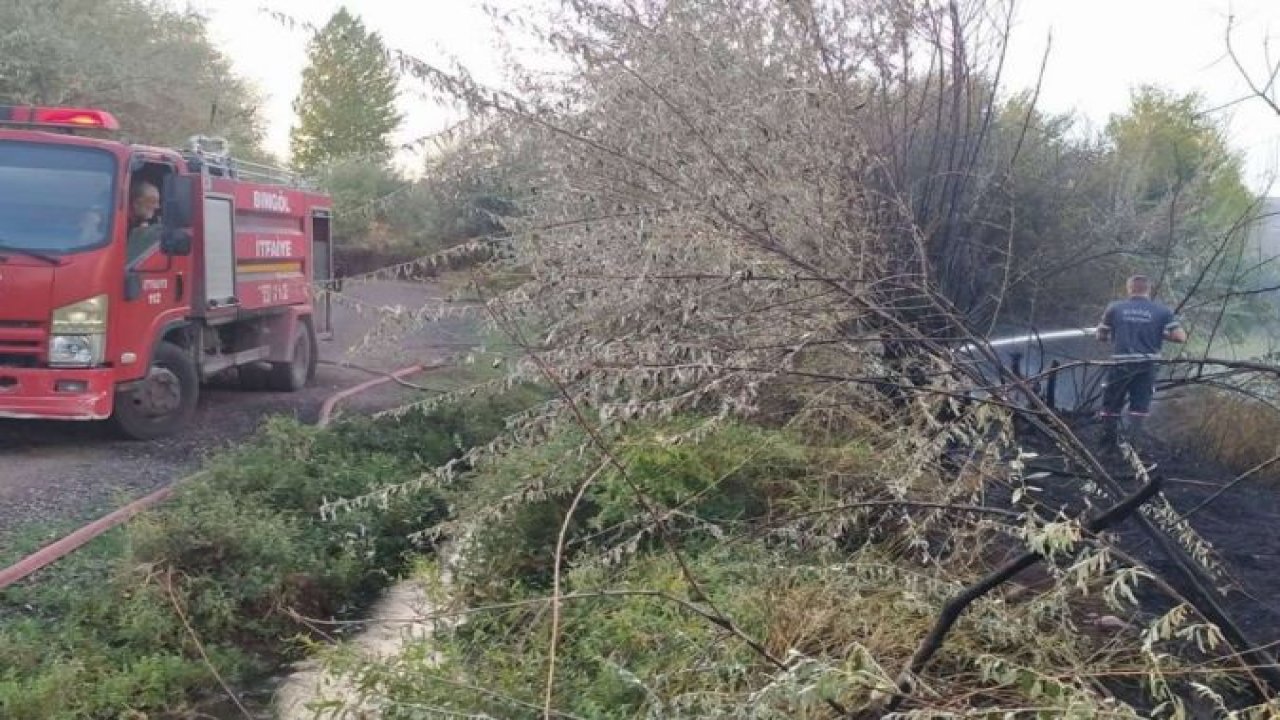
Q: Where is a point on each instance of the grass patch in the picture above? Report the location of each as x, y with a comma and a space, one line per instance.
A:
98, 635
1230, 428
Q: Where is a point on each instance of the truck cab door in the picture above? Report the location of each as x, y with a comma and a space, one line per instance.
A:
156, 273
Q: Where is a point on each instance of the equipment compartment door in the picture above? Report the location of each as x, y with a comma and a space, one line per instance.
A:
219, 253
322, 272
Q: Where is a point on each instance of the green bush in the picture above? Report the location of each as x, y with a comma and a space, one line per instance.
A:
734, 474
729, 476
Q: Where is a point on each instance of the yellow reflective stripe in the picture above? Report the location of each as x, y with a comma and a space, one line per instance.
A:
269, 267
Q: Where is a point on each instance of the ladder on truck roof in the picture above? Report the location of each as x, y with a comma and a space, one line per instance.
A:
213, 155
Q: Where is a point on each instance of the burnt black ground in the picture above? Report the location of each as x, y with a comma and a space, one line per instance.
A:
1241, 523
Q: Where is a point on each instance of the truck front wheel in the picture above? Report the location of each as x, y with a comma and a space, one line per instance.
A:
164, 401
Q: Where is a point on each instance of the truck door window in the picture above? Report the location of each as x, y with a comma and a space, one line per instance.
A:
144, 204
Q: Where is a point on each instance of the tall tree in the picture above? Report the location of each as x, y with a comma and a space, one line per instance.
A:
155, 68
346, 108
1170, 143
1190, 204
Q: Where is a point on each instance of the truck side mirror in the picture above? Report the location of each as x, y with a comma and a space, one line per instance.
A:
177, 213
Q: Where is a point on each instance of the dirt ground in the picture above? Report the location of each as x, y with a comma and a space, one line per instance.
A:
67, 472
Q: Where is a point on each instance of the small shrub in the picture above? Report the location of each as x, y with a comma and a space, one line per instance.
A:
729, 476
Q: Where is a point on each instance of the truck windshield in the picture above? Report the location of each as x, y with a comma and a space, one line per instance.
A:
54, 199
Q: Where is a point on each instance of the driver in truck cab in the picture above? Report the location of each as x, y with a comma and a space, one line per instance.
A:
144, 200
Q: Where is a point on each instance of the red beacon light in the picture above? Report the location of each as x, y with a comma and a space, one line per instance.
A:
57, 117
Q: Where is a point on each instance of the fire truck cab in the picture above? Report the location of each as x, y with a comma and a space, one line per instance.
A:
106, 315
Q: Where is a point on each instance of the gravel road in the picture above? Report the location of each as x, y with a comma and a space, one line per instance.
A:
66, 472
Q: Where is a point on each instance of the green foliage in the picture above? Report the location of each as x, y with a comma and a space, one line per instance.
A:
467, 191
238, 550
712, 486
1071, 213
730, 476
346, 113
1160, 192
346, 107
633, 641
1166, 142
730, 222
1058, 187
360, 189
153, 66
94, 639
442, 209
472, 186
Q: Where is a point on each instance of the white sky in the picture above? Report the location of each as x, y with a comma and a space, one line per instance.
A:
1101, 49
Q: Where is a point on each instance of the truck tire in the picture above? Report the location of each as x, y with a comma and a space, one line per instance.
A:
294, 375
164, 402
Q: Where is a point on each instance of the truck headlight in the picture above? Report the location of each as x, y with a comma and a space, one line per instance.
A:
79, 333
76, 350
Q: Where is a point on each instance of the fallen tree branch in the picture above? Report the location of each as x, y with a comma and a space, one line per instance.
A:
954, 608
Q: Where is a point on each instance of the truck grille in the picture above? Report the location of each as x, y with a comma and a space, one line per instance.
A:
21, 343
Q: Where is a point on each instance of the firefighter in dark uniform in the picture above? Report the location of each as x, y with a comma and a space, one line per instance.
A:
1137, 327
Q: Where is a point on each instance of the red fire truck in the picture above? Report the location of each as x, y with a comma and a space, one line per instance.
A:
104, 316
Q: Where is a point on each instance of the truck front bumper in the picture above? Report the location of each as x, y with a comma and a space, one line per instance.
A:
56, 394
